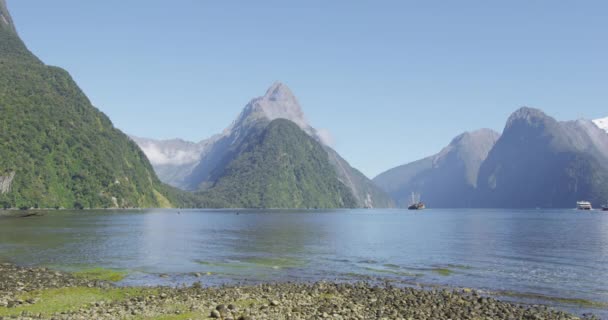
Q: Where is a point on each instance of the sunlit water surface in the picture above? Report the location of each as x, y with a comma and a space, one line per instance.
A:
524, 255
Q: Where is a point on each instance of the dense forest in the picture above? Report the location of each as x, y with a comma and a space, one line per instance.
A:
278, 166
57, 150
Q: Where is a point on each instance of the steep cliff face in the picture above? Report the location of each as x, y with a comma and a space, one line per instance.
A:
6, 181
536, 162
59, 150
541, 162
6, 21
367, 194
447, 179
12, 49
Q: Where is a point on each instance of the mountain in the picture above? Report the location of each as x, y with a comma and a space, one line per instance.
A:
56, 149
446, 179
11, 47
602, 123
278, 166
536, 162
217, 153
278, 103
540, 162
174, 159
6, 21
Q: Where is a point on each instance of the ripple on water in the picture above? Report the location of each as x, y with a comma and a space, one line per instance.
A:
555, 253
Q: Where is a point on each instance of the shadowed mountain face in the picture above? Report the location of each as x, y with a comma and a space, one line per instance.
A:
56, 149
536, 162
540, 162
216, 153
447, 179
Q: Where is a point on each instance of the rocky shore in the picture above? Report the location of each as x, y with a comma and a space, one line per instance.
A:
39, 293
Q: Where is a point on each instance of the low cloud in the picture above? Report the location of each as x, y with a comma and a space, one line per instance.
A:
326, 137
157, 156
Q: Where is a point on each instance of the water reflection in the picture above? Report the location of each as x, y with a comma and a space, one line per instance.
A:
555, 253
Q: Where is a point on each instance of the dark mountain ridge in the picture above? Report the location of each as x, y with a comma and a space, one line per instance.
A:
446, 179
536, 162
540, 162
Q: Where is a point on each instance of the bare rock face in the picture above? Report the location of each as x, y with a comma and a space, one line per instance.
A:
278, 103
5, 18
5, 182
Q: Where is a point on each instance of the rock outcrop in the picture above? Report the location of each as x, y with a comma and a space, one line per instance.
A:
6, 181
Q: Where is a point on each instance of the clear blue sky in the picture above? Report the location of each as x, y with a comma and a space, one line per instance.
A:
393, 81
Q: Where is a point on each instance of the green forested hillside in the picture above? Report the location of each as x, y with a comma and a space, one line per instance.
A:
56, 149
278, 166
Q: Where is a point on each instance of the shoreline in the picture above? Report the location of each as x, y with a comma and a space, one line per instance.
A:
41, 293
277, 209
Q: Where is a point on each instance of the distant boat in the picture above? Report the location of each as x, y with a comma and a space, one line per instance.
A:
605, 207
584, 205
415, 203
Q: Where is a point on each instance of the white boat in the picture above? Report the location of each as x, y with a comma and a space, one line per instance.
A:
584, 205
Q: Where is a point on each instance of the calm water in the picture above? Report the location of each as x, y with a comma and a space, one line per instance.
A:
552, 253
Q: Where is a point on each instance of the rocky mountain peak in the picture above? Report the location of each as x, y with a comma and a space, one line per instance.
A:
476, 136
526, 113
527, 116
5, 17
279, 92
472, 143
279, 102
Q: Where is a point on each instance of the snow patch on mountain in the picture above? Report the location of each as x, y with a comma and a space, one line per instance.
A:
602, 123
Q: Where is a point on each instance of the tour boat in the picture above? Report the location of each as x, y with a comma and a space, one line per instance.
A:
584, 205
415, 203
